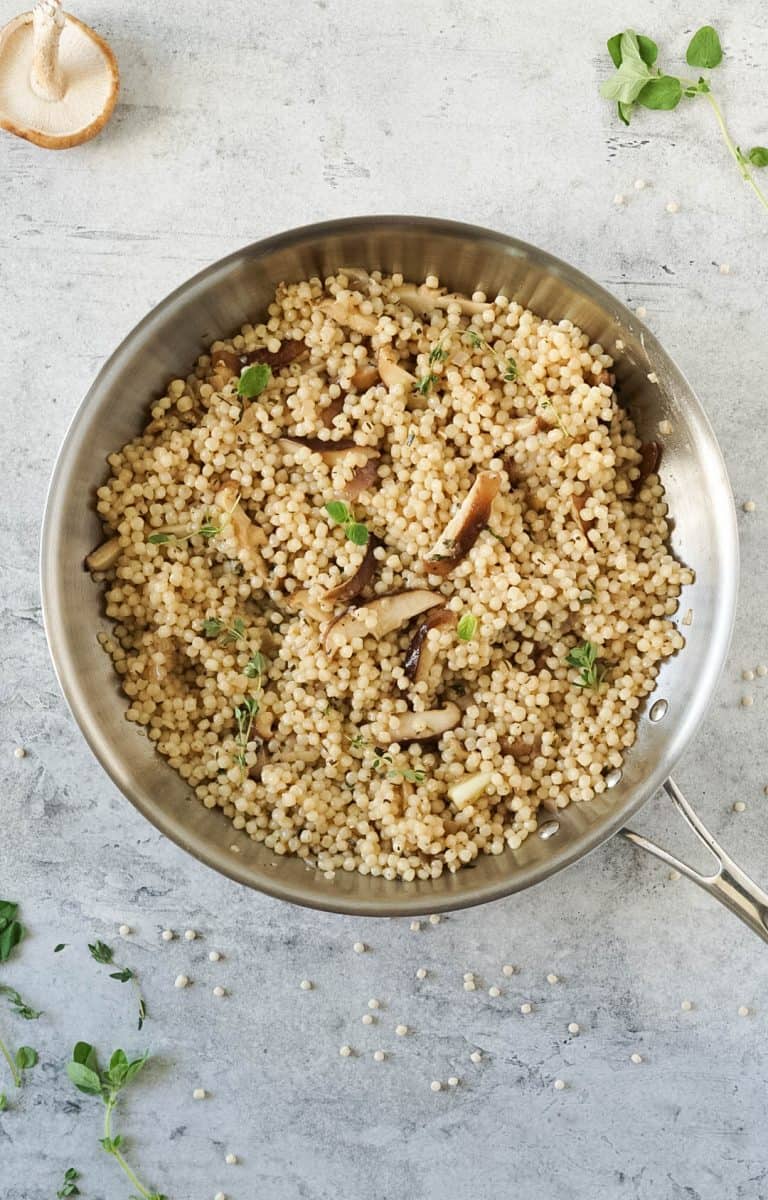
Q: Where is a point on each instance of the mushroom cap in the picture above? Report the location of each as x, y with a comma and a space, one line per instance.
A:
91, 77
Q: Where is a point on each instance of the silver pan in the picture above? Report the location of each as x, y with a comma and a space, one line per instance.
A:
466, 258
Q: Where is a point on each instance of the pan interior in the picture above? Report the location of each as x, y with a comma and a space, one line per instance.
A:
237, 289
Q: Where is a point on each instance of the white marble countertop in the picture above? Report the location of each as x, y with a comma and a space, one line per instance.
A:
236, 121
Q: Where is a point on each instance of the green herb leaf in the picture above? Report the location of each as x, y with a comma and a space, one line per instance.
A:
85, 1054
758, 156
584, 658
424, 384
253, 380
704, 49
647, 49
59, 947
122, 976
101, 952
212, 627
624, 111
17, 1004
3, 1102
662, 93
357, 533
338, 511
256, 665
467, 627
111, 1144
632, 75
510, 373
159, 539
84, 1079
69, 1187
25, 1058
11, 930
437, 354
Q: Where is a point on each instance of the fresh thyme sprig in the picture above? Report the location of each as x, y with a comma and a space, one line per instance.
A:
509, 371
384, 762
341, 514
591, 671
104, 954
84, 1072
245, 715
12, 932
639, 81
214, 628
548, 406
69, 1186
208, 529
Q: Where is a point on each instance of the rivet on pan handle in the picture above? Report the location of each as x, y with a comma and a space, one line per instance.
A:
729, 884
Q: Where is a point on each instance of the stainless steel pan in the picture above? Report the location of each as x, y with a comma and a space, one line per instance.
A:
466, 258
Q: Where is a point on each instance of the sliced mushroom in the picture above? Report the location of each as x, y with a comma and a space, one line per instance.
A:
423, 726
420, 655
235, 360
343, 312
365, 377
650, 457
378, 617
519, 749
462, 531
578, 503
349, 589
58, 79
424, 300
241, 532
331, 411
524, 427
391, 372
330, 452
104, 556
359, 274
300, 601
465, 790
363, 478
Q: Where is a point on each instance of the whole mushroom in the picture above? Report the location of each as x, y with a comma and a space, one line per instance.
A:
58, 79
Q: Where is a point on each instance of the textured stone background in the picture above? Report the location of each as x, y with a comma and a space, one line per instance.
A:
236, 121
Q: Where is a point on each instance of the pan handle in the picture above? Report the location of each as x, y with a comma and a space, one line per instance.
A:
729, 884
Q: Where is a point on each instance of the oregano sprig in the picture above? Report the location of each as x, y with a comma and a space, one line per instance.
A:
341, 514
86, 1075
69, 1186
639, 81
208, 529
591, 671
12, 932
384, 762
507, 364
102, 953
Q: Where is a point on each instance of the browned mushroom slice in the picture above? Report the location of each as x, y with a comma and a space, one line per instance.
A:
420, 655
424, 300
577, 505
301, 602
330, 452
289, 351
104, 556
363, 478
349, 589
365, 377
462, 531
423, 726
331, 411
378, 617
650, 457
524, 427
519, 749
390, 370
239, 530
344, 312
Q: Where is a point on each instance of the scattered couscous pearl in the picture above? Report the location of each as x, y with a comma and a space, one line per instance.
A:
743, 1011
435, 919
374, 1004
181, 981
432, 281
235, 849
421, 973
219, 1196
167, 935
436, 1085
641, 310
552, 978
379, 1056
665, 427
526, 1008
725, 268
453, 1081
124, 930
673, 206
190, 935
468, 975
559, 1085
214, 956
739, 806
19, 752
619, 198
747, 701
415, 926
219, 991
199, 1094
306, 985
673, 874
686, 1005
653, 377
476, 1056
762, 671
345, 1051
230, 1160
507, 970
359, 947
574, 1028
636, 1058
494, 991
639, 185
619, 344
469, 985
749, 506
401, 1030
367, 1019
748, 675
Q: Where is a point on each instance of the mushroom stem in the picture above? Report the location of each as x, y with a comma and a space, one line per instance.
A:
46, 78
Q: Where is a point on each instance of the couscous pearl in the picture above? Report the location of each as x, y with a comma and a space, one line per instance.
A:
672, 206
476, 1056
453, 1081
747, 701
762, 671
367, 1019
507, 969
379, 1056
401, 1030
469, 985
494, 991
181, 981
199, 1094
673, 874
641, 311
421, 973
345, 1051
748, 675
219, 991
214, 956
749, 506
19, 752
374, 1003
552, 978
435, 1085
725, 268
190, 935
653, 377
415, 926
686, 1005
526, 1008
574, 1028
636, 1058
743, 1011
639, 184
230, 1160
559, 1085
739, 806
619, 198
359, 947
124, 930
167, 935
435, 919
219, 1196
306, 985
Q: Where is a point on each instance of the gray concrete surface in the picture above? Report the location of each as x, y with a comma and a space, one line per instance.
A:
236, 121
